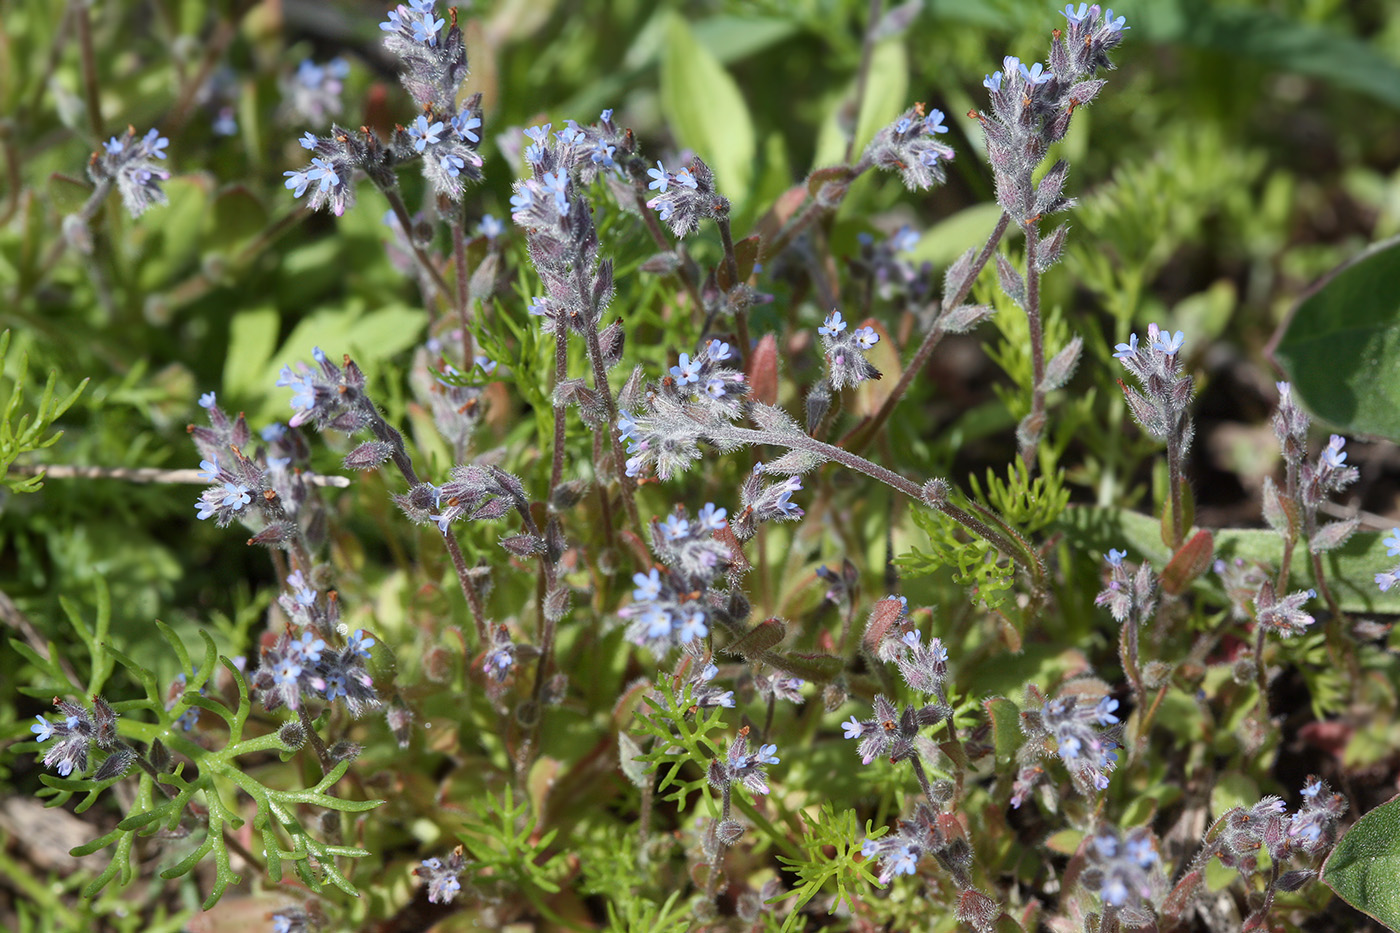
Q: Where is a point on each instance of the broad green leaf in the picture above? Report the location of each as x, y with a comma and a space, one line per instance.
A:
1364, 866
948, 239
1232, 790
1351, 569
886, 97
1006, 726
251, 340
1341, 345
706, 110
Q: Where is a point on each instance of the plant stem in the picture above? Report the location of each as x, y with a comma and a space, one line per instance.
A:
1261, 675
731, 266
426, 265
863, 434
561, 372
469, 590
1035, 421
459, 257
1175, 479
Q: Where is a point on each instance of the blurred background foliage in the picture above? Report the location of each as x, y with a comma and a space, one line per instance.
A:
1242, 150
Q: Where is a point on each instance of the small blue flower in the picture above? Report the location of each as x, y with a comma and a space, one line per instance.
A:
557, 183
1392, 543
693, 625
1126, 350
602, 153
1332, 454
718, 350
464, 125
522, 201
626, 425
714, 388
425, 30
1036, 74
1114, 25
648, 586
683, 177
902, 125
766, 756
710, 518
866, 337
853, 728
1104, 711
425, 134
675, 527
658, 623
1115, 557
659, 177
490, 227
236, 496
453, 164
605, 116
1076, 18
992, 82
208, 400
1169, 344
359, 643
209, 469
308, 141
833, 325
43, 729
688, 370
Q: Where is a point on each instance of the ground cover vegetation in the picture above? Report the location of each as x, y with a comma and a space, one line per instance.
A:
732, 466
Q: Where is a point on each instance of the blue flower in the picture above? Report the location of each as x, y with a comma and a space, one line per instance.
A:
522, 201
464, 124
425, 30
992, 82
557, 183
687, 371
718, 350
626, 425
1076, 18
209, 469
605, 116
43, 729
490, 227
1104, 711
683, 177
714, 388
208, 400
602, 153
359, 643
853, 728
1392, 544
1169, 344
1036, 74
648, 586
1126, 350
710, 518
766, 756
833, 325
675, 527
425, 134
236, 496
659, 177
453, 164
1332, 454
1115, 557
693, 625
1112, 24
207, 510
866, 337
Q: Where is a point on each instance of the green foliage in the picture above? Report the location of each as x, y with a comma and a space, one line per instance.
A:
977, 565
681, 734
1363, 866
505, 850
202, 803
28, 435
1030, 504
1341, 346
816, 870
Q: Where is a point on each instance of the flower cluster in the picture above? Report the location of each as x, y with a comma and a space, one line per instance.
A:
331, 174
77, 734
1309, 832
580, 151
895, 278
845, 351
432, 64
891, 733
299, 666
674, 607
927, 832
1163, 407
1282, 615
313, 92
685, 197
443, 876
742, 766
326, 395
1129, 595
699, 395
703, 692
911, 146
1084, 732
765, 502
475, 493
128, 162
1125, 870
1031, 107
1308, 485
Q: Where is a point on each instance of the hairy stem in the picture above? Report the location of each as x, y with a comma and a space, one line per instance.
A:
1035, 421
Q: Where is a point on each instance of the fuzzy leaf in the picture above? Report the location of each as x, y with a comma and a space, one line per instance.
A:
1005, 718
1193, 559
1062, 365
1341, 345
1332, 535
1363, 867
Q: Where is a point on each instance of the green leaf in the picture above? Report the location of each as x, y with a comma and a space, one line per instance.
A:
886, 97
252, 339
706, 110
1006, 726
1351, 569
1363, 867
1341, 345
